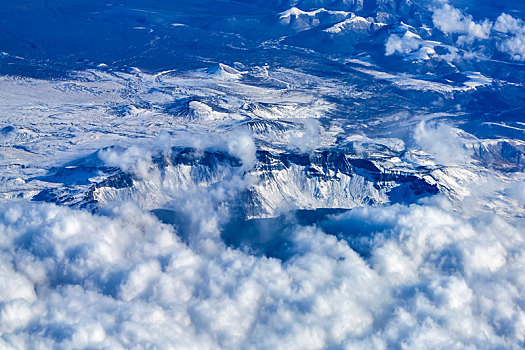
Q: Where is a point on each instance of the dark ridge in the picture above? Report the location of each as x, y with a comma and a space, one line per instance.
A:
80, 179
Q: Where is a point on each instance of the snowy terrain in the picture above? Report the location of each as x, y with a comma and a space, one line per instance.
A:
315, 174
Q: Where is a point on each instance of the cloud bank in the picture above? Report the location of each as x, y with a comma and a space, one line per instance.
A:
409, 276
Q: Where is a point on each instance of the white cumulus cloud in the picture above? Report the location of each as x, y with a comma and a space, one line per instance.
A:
370, 278
514, 45
451, 20
402, 44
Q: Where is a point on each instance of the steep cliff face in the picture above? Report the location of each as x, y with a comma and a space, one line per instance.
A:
277, 182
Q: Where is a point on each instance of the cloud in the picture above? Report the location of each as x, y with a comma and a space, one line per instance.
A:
157, 183
373, 277
451, 20
402, 44
516, 190
135, 160
443, 142
464, 263
514, 45
307, 139
241, 145
505, 23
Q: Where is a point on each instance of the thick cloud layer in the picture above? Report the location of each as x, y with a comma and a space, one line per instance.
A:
400, 276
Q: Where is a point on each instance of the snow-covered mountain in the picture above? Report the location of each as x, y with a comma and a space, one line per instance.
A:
255, 174
277, 182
